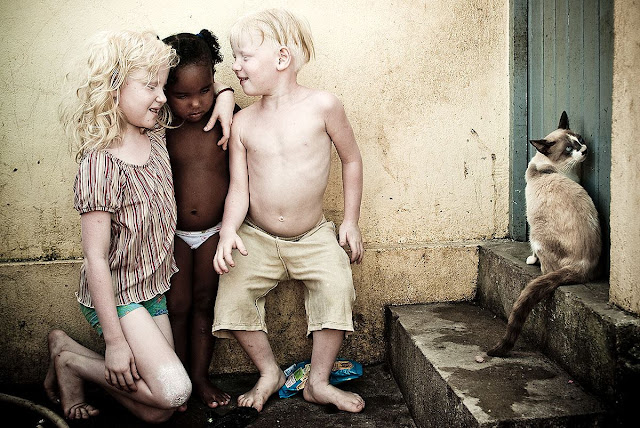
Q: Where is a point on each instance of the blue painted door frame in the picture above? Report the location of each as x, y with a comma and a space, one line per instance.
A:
561, 59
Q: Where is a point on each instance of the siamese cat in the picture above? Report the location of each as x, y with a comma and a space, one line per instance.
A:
563, 223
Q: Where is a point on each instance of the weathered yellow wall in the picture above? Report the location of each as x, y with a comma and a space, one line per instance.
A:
625, 158
424, 83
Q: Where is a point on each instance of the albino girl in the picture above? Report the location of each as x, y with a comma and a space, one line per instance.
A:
124, 193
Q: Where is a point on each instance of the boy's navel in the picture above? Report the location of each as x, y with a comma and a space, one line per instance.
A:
280, 218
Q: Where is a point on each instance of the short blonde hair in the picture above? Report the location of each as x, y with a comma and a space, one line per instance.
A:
281, 27
90, 115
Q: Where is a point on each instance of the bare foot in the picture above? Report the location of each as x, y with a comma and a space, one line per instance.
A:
210, 394
71, 389
81, 410
267, 384
59, 341
55, 341
329, 394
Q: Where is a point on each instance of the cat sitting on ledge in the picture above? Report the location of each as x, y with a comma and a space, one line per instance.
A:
563, 222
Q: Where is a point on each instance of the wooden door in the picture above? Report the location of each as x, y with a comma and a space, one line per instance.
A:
568, 60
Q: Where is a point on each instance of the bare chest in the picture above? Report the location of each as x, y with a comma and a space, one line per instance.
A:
291, 143
195, 149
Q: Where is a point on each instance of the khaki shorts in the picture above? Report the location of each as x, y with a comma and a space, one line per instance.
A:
315, 258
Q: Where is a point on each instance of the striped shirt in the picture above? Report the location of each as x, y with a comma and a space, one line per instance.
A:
142, 204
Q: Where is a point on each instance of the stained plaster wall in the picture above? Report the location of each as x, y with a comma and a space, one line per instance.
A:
424, 83
625, 160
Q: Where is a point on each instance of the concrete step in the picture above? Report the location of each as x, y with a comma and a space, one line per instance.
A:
432, 354
595, 342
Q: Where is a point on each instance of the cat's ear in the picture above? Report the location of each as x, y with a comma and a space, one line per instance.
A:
542, 146
564, 121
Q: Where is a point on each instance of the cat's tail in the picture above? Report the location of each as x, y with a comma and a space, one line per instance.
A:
533, 293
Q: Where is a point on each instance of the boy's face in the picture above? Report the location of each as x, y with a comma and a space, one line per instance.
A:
191, 96
141, 100
255, 63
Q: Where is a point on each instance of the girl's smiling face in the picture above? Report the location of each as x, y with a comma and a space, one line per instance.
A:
141, 99
191, 96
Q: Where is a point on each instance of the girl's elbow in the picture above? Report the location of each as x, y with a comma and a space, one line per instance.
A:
95, 261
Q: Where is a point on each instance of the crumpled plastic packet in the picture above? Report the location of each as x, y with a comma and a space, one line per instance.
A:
297, 375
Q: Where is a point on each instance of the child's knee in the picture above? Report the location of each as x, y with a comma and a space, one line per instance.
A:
175, 386
179, 305
55, 335
204, 304
341, 293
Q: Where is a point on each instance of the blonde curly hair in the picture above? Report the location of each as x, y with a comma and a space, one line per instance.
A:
91, 115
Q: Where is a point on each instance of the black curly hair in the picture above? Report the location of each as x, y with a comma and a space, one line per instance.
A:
202, 49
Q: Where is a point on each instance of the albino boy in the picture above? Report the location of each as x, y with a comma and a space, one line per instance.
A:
280, 149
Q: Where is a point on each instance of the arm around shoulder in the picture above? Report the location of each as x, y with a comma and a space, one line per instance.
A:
223, 111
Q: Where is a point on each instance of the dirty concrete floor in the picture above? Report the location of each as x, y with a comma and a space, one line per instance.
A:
385, 407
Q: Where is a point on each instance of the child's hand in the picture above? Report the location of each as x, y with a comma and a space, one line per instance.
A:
350, 234
226, 245
120, 369
223, 111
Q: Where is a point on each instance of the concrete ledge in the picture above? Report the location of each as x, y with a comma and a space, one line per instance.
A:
597, 343
39, 296
432, 353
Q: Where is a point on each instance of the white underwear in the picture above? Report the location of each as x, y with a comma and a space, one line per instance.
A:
195, 239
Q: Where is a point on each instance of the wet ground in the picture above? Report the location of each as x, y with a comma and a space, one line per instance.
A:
385, 408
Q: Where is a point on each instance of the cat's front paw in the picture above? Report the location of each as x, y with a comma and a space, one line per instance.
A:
532, 260
500, 350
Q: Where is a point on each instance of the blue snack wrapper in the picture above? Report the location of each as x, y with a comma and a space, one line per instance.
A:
297, 375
